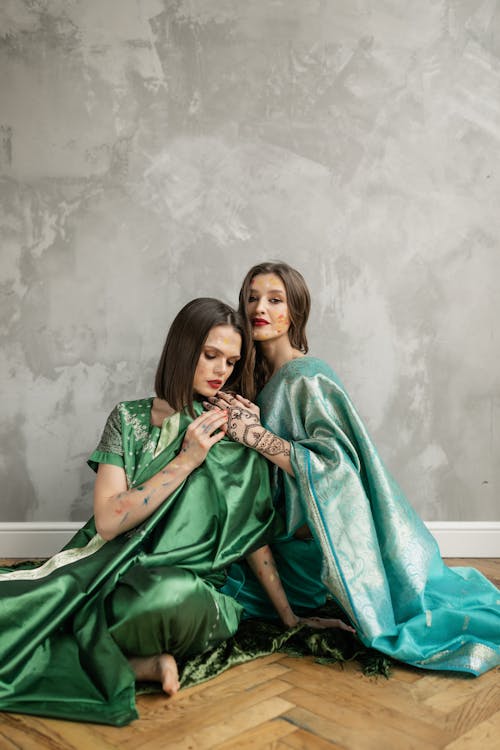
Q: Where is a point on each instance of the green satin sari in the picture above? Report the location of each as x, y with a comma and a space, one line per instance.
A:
68, 625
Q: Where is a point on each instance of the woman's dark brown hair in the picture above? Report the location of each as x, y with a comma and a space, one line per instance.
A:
188, 332
299, 306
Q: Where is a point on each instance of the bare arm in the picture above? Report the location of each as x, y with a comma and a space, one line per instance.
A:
118, 509
264, 567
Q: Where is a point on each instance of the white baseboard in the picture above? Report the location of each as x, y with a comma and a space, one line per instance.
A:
35, 539
43, 539
466, 538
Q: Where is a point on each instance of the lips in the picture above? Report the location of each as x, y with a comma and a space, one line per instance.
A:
216, 384
258, 322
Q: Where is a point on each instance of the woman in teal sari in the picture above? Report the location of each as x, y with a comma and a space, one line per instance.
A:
350, 532
139, 587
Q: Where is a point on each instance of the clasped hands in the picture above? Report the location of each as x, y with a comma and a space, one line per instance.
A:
243, 424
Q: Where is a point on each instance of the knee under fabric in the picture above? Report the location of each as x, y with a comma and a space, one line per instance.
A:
169, 610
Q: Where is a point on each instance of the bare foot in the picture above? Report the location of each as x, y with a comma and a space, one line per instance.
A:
159, 668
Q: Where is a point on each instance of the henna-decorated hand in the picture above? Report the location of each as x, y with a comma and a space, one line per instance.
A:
224, 399
244, 426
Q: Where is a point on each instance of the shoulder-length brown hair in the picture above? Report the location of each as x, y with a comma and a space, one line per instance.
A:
299, 306
181, 352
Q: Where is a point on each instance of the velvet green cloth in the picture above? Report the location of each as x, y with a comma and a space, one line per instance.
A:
68, 624
259, 637
378, 559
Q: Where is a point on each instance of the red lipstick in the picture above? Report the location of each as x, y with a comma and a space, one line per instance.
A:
216, 384
259, 322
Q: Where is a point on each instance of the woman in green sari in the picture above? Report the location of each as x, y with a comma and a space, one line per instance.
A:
350, 532
139, 586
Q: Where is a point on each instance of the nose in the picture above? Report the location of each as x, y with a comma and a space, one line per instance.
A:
220, 366
260, 306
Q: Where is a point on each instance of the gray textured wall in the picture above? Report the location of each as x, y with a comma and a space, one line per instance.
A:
151, 151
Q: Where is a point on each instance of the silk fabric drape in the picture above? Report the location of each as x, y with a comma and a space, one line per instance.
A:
379, 560
58, 656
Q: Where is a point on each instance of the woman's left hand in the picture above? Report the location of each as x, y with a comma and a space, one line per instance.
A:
322, 623
243, 426
227, 400
243, 422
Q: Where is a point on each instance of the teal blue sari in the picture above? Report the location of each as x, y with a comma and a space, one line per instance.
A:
369, 549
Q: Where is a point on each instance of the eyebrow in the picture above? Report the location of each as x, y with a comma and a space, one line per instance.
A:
269, 291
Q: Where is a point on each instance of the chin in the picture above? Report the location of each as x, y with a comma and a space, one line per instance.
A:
204, 393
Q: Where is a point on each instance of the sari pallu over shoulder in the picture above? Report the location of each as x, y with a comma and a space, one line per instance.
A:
379, 560
58, 657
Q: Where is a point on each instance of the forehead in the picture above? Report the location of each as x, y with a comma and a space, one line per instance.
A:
267, 281
225, 339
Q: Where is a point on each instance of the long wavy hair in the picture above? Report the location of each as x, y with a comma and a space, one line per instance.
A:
181, 352
299, 306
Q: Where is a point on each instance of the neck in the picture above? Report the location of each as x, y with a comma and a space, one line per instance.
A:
278, 352
160, 411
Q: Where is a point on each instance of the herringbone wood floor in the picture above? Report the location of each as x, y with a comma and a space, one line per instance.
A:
280, 702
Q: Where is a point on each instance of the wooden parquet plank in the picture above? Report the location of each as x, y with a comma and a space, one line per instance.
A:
446, 692
157, 710
353, 738
255, 665
484, 736
362, 726
213, 734
238, 679
35, 733
349, 685
228, 684
481, 707
302, 740
15, 734
196, 719
263, 736
406, 673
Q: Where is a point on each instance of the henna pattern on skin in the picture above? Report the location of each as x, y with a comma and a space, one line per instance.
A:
272, 445
251, 436
244, 427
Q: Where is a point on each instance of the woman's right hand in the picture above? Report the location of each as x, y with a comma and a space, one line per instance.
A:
118, 508
202, 434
